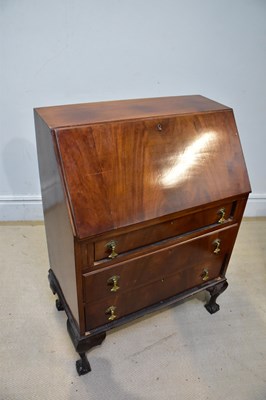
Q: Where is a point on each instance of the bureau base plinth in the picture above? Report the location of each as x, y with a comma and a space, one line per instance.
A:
215, 291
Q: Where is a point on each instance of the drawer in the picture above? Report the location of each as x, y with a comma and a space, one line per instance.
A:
218, 215
146, 280
115, 307
143, 281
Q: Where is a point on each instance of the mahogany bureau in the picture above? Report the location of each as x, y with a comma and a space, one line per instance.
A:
142, 203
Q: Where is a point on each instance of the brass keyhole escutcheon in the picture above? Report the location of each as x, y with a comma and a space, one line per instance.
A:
112, 245
113, 281
159, 127
205, 274
221, 212
111, 310
217, 244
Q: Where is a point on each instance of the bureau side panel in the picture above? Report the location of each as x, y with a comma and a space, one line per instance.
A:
59, 232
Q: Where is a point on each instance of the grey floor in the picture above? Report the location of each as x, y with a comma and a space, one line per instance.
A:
179, 353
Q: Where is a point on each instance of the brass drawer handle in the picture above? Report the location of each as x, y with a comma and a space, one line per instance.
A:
113, 281
217, 244
221, 212
112, 245
111, 310
205, 274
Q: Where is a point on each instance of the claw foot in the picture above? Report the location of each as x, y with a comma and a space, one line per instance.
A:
212, 308
215, 291
83, 365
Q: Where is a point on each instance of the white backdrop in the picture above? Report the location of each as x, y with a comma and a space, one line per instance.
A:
67, 51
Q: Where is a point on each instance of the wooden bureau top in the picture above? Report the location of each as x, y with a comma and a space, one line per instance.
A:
128, 162
89, 113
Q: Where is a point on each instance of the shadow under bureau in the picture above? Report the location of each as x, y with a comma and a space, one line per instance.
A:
142, 203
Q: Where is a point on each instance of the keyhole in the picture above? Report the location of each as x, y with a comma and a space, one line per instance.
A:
159, 127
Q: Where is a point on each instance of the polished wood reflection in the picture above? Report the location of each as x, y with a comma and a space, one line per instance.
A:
141, 173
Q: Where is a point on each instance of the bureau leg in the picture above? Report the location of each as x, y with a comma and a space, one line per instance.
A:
54, 289
83, 344
215, 291
59, 305
83, 365
52, 281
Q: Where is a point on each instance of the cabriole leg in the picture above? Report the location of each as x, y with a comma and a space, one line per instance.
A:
83, 344
215, 291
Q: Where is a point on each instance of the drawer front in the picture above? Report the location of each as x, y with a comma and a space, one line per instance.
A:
215, 216
146, 280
